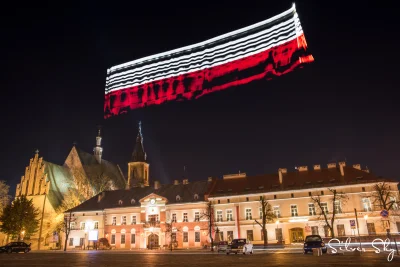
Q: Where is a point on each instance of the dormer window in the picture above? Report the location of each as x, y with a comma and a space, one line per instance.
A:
133, 201
120, 202
196, 196
178, 198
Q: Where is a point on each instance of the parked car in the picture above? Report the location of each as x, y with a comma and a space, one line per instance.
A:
314, 241
222, 246
16, 247
240, 246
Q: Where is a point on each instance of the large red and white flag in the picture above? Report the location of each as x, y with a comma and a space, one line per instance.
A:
267, 49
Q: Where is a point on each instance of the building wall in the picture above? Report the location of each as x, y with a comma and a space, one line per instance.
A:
303, 220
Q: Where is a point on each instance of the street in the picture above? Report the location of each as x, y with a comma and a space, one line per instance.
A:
177, 258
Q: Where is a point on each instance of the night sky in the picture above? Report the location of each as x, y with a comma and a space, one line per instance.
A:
341, 107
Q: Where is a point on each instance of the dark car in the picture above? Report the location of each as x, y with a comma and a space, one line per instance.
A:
314, 241
16, 247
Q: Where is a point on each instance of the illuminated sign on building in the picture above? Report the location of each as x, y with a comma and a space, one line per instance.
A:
265, 50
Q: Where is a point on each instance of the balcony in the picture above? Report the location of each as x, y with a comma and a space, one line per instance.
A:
148, 224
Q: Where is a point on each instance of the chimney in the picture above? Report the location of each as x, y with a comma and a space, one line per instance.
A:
156, 185
302, 168
176, 182
341, 168
281, 171
357, 166
342, 163
317, 167
209, 179
366, 169
185, 181
331, 165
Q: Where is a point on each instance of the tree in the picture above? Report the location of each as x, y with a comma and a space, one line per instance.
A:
208, 214
170, 229
102, 181
335, 200
62, 222
20, 218
267, 216
385, 198
4, 197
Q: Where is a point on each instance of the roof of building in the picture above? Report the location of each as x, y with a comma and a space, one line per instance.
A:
94, 169
181, 193
60, 181
306, 179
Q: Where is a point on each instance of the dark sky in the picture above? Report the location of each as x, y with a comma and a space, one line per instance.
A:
343, 106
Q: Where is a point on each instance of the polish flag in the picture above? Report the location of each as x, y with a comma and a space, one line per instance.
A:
263, 50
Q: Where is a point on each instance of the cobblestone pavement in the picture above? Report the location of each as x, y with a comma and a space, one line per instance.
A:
192, 259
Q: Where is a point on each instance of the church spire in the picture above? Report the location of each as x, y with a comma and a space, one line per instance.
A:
138, 154
98, 150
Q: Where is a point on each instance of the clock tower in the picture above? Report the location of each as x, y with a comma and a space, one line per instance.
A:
138, 168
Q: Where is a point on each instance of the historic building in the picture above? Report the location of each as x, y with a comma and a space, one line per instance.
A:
47, 183
144, 216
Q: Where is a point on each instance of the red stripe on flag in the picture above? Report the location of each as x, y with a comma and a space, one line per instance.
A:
265, 65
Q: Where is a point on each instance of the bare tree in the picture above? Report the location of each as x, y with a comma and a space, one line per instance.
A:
208, 214
336, 200
170, 230
267, 216
385, 198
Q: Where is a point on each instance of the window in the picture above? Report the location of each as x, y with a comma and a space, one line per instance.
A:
178, 198
185, 237
248, 214
185, 217
292, 195
112, 239
133, 238
366, 204
123, 220
219, 215
260, 212
274, 196
196, 196
229, 216
363, 189
340, 230
221, 235
173, 217
247, 199
122, 238
114, 220
311, 209
395, 206
278, 234
327, 231
371, 228
322, 193
250, 235
83, 226
230, 236
196, 236
71, 242
338, 208
133, 201
260, 197
96, 225
293, 210
81, 241
309, 194
133, 219
324, 208
229, 201
72, 225
219, 201
173, 237
314, 230
197, 216
277, 212
398, 227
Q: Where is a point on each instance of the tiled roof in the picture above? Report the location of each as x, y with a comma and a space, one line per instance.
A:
131, 197
292, 181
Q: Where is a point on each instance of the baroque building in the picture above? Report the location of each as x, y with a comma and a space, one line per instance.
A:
47, 183
143, 216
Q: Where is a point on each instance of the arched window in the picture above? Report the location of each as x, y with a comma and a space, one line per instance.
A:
178, 198
120, 202
197, 228
133, 201
196, 196
185, 229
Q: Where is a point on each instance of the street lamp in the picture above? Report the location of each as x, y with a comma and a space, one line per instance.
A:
366, 223
277, 223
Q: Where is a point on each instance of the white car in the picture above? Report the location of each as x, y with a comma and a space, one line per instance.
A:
240, 246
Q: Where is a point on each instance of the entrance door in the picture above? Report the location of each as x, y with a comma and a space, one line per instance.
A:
152, 241
296, 235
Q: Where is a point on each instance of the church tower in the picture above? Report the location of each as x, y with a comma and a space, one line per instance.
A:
98, 150
138, 168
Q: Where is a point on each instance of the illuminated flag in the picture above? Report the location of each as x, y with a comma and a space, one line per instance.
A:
264, 50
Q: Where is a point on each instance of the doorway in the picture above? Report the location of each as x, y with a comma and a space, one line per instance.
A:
296, 235
152, 241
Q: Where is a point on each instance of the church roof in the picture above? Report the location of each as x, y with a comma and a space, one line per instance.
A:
93, 169
60, 180
181, 193
307, 179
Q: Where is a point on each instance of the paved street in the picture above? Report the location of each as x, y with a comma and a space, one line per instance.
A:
121, 258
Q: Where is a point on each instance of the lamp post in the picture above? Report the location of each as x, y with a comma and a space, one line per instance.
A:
366, 222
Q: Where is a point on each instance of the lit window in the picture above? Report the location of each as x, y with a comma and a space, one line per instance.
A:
293, 210
261, 213
366, 204
133, 219
83, 226
324, 208
96, 225
219, 215
338, 208
197, 216
123, 220
178, 198
277, 212
229, 216
311, 209
173, 217
395, 206
114, 220
248, 214
185, 217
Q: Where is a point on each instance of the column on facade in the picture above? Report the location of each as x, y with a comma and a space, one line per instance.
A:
237, 220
